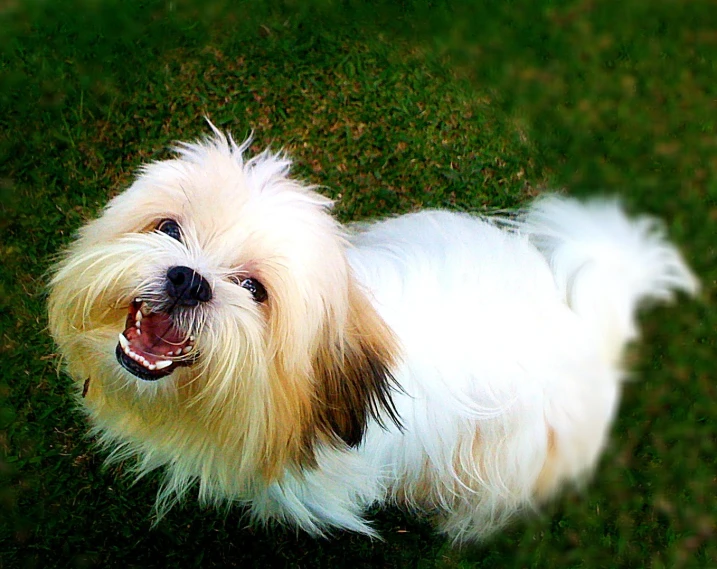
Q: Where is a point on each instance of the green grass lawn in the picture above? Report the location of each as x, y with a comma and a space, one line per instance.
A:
389, 109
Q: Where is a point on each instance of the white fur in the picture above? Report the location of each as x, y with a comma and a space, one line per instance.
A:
511, 333
505, 332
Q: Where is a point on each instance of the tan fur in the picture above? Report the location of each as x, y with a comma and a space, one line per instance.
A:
353, 372
548, 480
418, 492
319, 388
327, 392
438, 489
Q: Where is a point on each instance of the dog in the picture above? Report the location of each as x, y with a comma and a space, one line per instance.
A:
220, 324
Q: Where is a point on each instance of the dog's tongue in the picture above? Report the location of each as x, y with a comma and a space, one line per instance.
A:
153, 335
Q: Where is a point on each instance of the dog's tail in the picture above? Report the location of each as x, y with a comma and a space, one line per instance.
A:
606, 264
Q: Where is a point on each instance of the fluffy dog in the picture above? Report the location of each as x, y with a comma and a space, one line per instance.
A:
221, 324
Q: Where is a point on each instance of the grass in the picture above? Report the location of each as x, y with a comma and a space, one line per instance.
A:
389, 109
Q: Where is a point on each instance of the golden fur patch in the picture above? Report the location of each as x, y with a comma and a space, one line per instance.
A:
547, 481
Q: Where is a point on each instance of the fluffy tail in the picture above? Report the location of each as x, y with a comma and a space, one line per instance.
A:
605, 264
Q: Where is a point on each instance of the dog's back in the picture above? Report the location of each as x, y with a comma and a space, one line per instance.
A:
512, 331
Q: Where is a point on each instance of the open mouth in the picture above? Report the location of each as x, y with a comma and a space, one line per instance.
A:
151, 346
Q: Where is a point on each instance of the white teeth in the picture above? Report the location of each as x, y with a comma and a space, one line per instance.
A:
124, 344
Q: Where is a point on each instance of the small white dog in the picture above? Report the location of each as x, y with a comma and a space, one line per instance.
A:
460, 366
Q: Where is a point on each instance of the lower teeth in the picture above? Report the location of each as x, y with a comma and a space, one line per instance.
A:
162, 364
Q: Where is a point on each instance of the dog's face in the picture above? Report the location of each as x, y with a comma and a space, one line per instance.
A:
211, 306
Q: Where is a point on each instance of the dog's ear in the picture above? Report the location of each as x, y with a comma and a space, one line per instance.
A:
330, 374
353, 373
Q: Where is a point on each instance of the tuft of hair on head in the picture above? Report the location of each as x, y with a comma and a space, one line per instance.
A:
218, 141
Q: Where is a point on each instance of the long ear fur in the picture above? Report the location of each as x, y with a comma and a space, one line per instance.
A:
353, 374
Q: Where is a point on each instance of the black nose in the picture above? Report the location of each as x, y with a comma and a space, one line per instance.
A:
187, 286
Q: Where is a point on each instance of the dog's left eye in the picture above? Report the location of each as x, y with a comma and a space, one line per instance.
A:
256, 289
171, 228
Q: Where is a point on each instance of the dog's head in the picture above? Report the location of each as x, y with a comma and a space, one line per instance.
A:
211, 310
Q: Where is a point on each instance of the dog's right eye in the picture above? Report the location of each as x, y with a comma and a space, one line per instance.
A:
171, 228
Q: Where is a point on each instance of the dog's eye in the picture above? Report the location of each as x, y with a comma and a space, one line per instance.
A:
256, 289
171, 228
